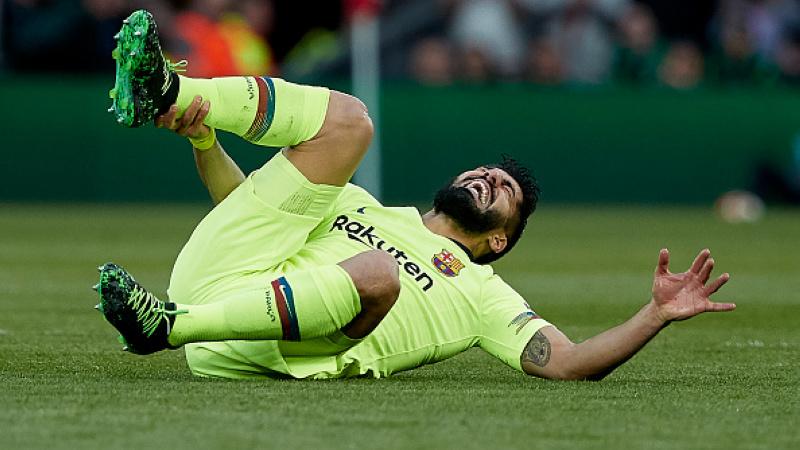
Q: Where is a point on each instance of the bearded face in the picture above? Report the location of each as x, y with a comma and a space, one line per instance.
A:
465, 208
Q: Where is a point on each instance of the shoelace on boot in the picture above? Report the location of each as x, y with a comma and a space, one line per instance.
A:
150, 311
179, 66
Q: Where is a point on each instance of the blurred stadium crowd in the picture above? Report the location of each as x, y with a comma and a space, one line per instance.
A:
673, 43
219, 37
679, 44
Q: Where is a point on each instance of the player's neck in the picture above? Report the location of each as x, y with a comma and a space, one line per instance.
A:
443, 225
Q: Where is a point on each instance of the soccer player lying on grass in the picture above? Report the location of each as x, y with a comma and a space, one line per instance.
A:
297, 273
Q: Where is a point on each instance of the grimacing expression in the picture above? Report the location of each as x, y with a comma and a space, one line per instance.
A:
481, 200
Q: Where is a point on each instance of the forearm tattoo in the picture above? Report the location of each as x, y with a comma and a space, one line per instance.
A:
538, 350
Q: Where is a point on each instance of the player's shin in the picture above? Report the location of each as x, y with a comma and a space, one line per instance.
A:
298, 305
263, 110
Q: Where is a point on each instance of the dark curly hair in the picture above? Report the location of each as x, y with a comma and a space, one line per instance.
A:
530, 197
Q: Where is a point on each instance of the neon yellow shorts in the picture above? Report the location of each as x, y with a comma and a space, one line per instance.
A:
241, 246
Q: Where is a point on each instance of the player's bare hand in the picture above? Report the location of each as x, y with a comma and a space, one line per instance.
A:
679, 296
191, 123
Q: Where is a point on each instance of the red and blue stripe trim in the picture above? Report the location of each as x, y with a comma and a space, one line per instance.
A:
265, 112
284, 301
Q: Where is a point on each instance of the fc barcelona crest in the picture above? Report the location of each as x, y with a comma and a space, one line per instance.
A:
446, 263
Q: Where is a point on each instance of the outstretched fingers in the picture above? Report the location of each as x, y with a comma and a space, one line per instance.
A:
663, 262
714, 286
720, 307
700, 261
705, 271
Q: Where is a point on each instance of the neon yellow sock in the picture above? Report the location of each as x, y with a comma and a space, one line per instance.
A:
265, 111
304, 304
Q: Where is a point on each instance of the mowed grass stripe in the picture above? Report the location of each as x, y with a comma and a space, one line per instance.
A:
718, 381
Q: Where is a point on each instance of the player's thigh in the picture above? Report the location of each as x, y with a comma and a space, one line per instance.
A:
255, 359
263, 222
304, 302
236, 359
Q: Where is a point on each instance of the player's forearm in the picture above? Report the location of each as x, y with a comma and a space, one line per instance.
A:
219, 173
598, 356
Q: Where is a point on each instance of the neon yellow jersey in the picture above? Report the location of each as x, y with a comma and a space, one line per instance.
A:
447, 304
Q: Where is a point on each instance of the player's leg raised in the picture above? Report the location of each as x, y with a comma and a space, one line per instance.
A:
266, 111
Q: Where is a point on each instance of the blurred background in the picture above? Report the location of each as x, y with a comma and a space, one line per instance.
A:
649, 124
615, 101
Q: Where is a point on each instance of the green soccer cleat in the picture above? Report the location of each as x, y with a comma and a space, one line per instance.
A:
146, 82
143, 320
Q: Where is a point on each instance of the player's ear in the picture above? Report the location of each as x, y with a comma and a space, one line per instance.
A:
498, 242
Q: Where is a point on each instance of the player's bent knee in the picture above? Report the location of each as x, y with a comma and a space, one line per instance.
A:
351, 116
377, 279
389, 287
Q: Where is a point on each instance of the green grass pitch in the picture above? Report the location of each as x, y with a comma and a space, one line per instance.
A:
718, 381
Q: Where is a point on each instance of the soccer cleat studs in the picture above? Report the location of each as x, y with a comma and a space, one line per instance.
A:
143, 75
96, 287
143, 321
124, 343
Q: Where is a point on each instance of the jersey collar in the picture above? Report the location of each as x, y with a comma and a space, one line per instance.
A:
464, 247
418, 216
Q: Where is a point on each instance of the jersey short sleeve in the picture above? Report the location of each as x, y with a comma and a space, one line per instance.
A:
507, 322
